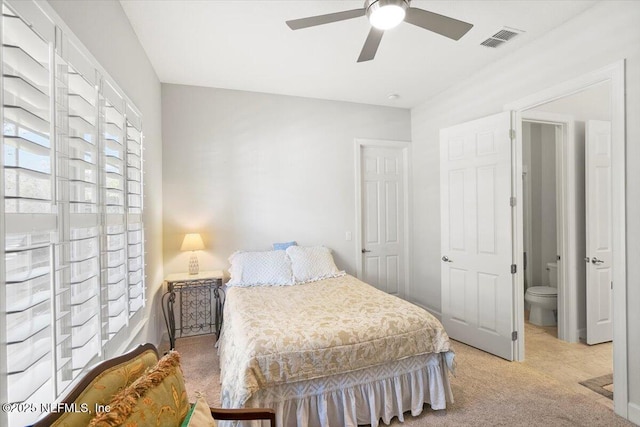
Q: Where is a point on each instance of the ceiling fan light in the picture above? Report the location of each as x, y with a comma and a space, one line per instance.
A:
386, 14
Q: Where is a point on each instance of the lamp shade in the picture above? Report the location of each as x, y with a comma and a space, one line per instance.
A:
192, 242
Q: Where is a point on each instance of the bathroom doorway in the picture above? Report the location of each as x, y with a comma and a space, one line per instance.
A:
543, 215
559, 144
562, 215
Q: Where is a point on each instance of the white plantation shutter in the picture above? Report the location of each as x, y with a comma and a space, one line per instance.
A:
80, 159
72, 262
114, 172
134, 212
30, 217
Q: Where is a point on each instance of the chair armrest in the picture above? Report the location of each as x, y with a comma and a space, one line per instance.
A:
245, 414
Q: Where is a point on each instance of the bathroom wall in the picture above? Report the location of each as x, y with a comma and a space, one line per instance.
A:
581, 242
526, 196
548, 228
540, 160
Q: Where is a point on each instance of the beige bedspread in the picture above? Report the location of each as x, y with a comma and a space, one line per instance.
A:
277, 334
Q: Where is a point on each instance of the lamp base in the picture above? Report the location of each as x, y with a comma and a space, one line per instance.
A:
194, 268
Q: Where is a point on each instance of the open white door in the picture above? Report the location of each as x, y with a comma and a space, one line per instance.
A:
599, 239
477, 251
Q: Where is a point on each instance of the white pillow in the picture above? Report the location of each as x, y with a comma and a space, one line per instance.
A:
260, 268
312, 263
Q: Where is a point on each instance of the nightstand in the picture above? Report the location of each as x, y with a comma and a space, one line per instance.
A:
197, 314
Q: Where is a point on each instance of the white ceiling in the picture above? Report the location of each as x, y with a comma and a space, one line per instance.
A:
593, 103
245, 45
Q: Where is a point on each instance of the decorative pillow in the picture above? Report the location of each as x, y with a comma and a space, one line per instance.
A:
260, 268
105, 386
199, 415
312, 263
283, 246
157, 398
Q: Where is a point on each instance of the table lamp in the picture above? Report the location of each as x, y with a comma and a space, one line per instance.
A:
192, 242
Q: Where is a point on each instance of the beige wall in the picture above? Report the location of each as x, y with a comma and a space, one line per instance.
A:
602, 35
104, 29
248, 169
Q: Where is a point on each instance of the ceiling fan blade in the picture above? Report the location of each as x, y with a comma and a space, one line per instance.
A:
371, 45
440, 24
312, 21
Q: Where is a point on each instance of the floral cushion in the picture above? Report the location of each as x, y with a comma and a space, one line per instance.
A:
104, 386
158, 398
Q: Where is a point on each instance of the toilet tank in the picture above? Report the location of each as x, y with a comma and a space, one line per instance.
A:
552, 268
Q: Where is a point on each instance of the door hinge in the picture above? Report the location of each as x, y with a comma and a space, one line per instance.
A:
514, 336
611, 285
512, 201
512, 134
514, 269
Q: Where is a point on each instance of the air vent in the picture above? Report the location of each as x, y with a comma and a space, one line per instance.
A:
490, 42
501, 37
505, 35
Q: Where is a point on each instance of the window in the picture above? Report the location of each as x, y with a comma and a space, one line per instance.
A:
72, 242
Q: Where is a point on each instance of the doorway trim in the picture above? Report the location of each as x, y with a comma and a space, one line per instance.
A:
615, 73
405, 147
566, 209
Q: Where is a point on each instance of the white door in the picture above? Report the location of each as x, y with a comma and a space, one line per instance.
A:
476, 237
383, 227
598, 232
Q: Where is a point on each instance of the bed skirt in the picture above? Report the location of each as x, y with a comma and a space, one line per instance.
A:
360, 397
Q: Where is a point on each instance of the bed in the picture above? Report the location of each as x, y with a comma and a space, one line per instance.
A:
331, 352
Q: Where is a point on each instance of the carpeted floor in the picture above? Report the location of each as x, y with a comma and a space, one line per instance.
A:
488, 391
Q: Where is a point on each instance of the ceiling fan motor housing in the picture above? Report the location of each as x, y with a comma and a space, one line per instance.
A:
374, 8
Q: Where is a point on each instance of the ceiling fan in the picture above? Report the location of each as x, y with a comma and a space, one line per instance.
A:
384, 15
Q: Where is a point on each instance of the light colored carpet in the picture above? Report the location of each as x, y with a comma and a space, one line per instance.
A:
488, 391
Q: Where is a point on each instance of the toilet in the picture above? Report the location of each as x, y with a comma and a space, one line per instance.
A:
544, 299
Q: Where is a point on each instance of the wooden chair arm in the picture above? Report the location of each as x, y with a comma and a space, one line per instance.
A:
245, 414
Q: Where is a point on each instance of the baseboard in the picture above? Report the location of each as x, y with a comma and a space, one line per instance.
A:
582, 334
634, 413
435, 313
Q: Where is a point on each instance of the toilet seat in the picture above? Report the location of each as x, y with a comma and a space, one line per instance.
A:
543, 291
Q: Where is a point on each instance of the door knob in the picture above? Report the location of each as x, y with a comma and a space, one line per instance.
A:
596, 261
365, 250
446, 259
